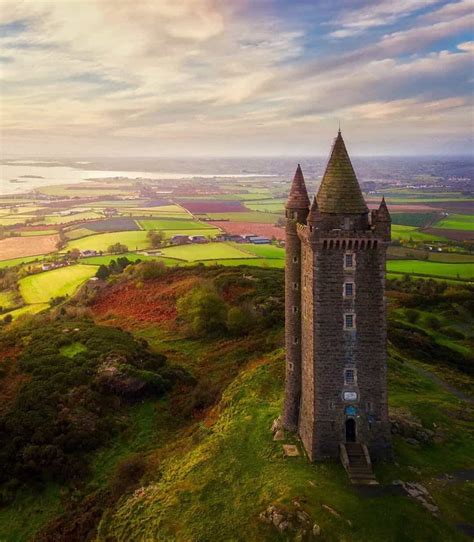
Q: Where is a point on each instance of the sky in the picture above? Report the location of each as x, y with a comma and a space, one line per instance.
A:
235, 77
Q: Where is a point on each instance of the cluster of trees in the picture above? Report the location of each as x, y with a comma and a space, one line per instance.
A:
117, 248
115, 267
206, 312
64, 410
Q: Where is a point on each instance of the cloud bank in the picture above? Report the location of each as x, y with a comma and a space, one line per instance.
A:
212, 77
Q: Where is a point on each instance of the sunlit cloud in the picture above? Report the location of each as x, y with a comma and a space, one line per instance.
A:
217, 77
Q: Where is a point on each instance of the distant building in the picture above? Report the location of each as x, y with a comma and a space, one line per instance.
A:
88, 253
198, 239
180, 240
257, 240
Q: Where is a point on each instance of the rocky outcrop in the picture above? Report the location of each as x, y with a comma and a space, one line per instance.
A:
410, 428
295, 522
421, 494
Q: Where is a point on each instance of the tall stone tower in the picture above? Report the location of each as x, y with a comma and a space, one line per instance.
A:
336, 332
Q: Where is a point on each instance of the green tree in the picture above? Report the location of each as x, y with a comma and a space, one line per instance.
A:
204, 310
103, 272
117, 248
156, 238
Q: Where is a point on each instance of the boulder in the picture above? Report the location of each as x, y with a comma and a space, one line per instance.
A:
279, 435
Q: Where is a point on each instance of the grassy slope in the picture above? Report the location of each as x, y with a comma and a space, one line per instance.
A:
457, 222
213, 484
40, 288
410, 232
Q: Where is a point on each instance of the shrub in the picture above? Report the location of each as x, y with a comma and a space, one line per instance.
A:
127, 475
433, 322
150, 270
239, 320
204, 310
412, 315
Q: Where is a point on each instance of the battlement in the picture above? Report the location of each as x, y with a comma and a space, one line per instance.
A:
340, 239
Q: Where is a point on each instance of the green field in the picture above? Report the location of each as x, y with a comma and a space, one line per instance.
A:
266, 206
456, 222
170, 224
132, 256
7, 299
250, 216
77, 233
18, 261
413, 219
42, 287
28, 309
13, 220
134, 240
439, 269
407, 233
263, 251
405, 253
209, 251
87, 215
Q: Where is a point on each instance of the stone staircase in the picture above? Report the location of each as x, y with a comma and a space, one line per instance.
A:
356, 460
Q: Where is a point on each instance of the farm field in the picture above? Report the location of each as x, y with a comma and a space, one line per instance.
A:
213, 206
263, 251
406, 233
28, 309
171, 224
249, 216
42, 287
18, 247
132, 256
7, 299
268, 206
439, 269
417, 220
53, 219
35, 233
456, 222
14, 220
162, 211
77, 233
209, 251
112, 224
404, 253
18, 261
134, 240
246, 228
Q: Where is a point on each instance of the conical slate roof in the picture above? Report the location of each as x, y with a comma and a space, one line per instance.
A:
298, 197
383, 213
340, 191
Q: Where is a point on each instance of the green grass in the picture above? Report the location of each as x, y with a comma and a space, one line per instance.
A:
42, 287
457, 222
77, 233
70, 350
209, 251
216, 482
87, 215
251, 216
134, 240
7, 299
18, 261
440, 269
405, 253
254, 262
132, 256
263, 251
406, 233
20, 521
268, 206
413, 219
28, 309
170, 224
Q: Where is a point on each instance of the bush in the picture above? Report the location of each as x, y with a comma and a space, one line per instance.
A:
433, 322
150, 270
239, 320
127, 475
204, 310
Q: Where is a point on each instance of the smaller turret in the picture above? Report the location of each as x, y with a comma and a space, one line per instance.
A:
381, 221
314, 215
298, 197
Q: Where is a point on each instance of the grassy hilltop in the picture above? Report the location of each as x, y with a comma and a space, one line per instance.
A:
196, 460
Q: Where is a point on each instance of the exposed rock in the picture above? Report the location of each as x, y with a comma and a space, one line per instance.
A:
421, 494
412, 441
297, 521
277, 424
279, 435
290, 450
406, 425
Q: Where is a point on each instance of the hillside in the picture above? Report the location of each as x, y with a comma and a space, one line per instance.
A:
197, 461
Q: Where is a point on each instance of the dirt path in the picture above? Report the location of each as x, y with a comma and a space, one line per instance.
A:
428, 374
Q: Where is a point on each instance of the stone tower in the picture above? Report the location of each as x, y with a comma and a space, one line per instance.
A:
336, 332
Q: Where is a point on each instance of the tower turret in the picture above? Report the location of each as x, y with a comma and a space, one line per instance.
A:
297, 209
381, 221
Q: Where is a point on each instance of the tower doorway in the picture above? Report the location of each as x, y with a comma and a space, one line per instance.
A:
350, 430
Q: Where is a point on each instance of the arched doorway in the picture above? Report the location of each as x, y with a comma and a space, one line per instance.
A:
350, 430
